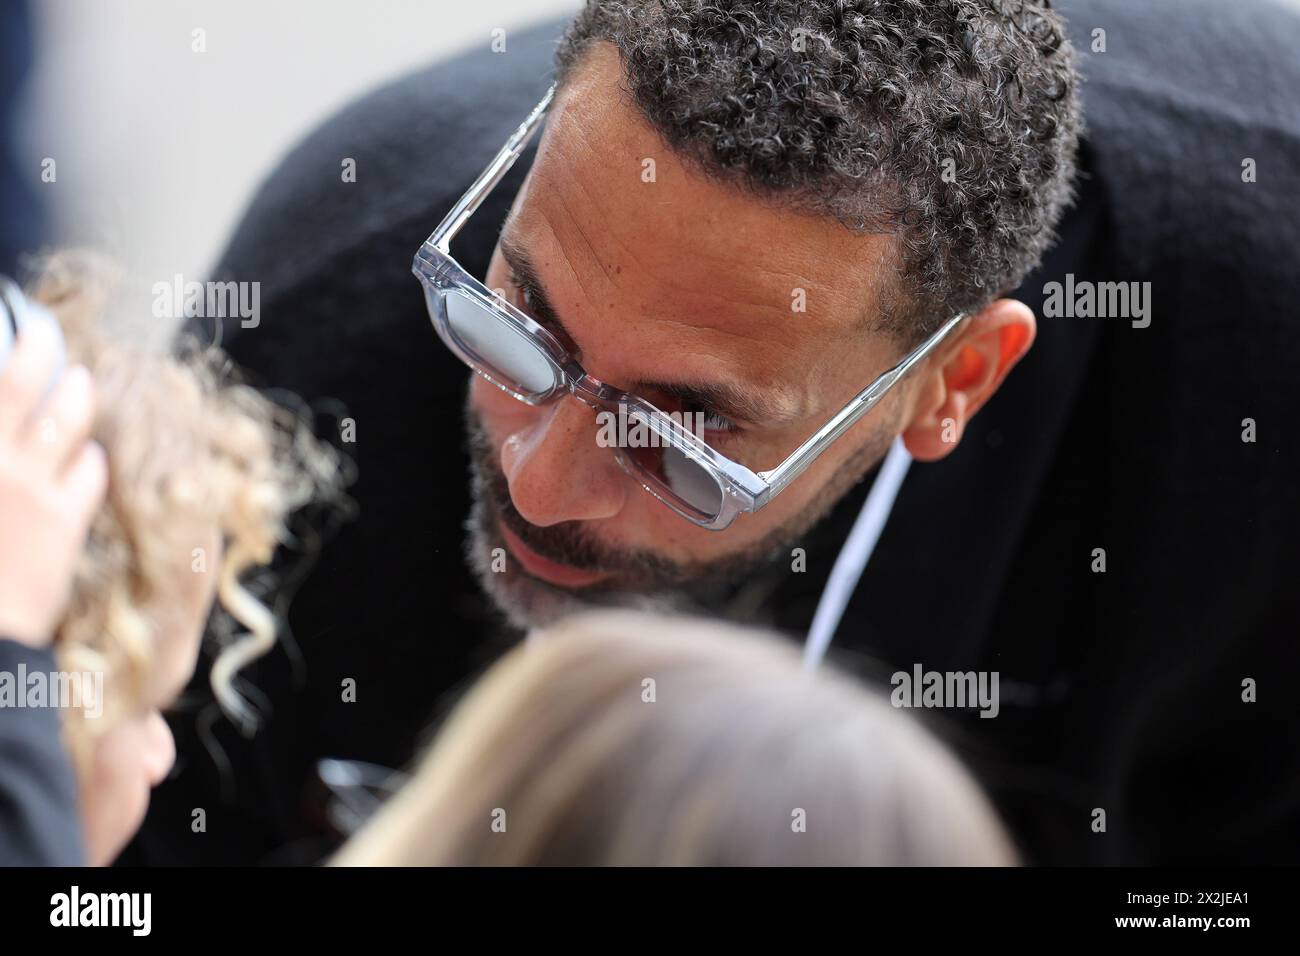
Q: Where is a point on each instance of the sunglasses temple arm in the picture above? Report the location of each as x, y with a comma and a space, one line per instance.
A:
487, 180
807, 453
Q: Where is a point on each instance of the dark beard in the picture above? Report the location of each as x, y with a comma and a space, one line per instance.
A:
636, 578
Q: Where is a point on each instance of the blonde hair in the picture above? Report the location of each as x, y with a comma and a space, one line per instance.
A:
715, 762
188, 451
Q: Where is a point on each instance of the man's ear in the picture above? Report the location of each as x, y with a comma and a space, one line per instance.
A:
965, 375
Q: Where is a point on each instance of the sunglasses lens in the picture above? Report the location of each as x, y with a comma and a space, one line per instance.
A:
677, 476
508, 353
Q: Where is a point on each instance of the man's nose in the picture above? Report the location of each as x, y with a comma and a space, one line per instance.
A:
557, 472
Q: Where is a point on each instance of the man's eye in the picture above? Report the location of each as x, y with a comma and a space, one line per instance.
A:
714, 422
702, 420
525, 297
519, 295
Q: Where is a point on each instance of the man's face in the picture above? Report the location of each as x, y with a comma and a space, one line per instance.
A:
664, 280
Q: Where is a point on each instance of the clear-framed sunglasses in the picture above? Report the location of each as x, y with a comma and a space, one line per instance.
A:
521, 357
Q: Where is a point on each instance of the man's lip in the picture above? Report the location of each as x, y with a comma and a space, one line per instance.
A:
560, 575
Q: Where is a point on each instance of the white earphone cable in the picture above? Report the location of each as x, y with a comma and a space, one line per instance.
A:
855, 554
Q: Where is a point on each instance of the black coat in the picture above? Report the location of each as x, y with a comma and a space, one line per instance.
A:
1120, 690
39, 824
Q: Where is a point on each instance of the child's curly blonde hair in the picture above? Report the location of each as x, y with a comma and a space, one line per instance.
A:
189, 450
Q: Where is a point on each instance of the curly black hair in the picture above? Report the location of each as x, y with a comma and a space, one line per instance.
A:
951, 124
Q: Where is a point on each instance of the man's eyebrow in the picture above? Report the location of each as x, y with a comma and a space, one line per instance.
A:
725, 398
521, 265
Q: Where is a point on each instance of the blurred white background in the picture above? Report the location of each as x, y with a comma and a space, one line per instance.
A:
159, 148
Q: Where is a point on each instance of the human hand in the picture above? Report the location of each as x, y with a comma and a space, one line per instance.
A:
52, 482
